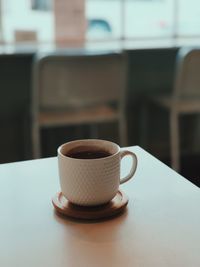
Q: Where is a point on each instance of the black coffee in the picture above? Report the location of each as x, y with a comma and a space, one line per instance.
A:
87, 153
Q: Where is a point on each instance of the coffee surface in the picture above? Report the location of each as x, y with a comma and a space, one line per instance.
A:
81, 153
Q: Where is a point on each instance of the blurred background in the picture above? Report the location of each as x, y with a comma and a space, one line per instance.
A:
150, 32
41, 21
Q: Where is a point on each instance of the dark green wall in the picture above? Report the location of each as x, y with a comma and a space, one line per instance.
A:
15, 83
151, 72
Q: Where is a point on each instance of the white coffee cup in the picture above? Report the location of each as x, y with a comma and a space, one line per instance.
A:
93, 181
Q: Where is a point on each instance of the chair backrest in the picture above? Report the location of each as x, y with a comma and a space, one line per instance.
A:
64, 80
187, 77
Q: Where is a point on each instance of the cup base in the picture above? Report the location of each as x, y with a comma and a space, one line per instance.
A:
114, 207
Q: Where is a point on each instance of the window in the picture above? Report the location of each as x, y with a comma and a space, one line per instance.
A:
34, 20
146, 19
188, 18
21, 23
104, 12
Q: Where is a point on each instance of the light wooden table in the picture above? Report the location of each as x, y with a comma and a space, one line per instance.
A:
161, 226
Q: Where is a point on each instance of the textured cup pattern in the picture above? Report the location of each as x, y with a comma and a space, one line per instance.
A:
89, 182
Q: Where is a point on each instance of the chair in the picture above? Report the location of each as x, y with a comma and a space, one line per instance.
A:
185, 98
77, 89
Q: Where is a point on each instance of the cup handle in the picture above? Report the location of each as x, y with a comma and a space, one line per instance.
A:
124, 153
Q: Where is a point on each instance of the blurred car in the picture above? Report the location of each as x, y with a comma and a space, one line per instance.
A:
99, 28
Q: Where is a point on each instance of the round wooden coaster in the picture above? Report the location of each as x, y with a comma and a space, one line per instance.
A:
115, 206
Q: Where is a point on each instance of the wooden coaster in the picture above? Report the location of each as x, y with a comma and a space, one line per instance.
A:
114, 207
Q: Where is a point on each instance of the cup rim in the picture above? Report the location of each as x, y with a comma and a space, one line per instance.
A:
87, 140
